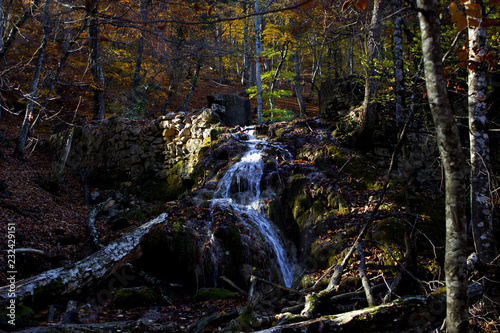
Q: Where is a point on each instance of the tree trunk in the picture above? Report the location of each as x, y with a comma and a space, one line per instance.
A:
136, 80
194, 80
296, 84
481, 218
90, 271
246, 58
17, 26
457, 318
398, 66
368, 116
258, 46
28, 116
96, 62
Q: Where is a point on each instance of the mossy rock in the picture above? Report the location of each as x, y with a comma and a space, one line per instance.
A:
128, 298
208, 294
138, 215
48, 293
231, 240
118, 223
390, 231
322, 252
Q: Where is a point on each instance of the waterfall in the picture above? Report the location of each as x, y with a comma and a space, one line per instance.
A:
239, 190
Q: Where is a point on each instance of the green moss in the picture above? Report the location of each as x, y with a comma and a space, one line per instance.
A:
128, 298
279, 132
318, 209
118, 223
390, 231
213, 294
48, 293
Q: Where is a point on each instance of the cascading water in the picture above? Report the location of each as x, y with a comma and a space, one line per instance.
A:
239, 190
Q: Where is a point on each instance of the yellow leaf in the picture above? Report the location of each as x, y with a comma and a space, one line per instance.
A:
457, 16
453, 8
473, 13
475, 6
463, 55
462, 23
473, 23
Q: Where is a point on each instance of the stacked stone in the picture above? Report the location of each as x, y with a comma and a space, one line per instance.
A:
126, 150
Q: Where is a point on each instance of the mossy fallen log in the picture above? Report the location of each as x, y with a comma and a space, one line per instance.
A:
93, 269
417, 312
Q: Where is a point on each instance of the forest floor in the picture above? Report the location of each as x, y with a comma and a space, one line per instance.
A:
51, 217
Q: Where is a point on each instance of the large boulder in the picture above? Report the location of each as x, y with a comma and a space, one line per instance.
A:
233, 110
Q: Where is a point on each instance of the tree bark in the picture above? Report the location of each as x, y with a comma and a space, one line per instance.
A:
258, 46
398, 65
296, 83
136, 80
96, 62
368, 116
194, 80
481, 218
457, 319
90, 271
28, 116
246, 58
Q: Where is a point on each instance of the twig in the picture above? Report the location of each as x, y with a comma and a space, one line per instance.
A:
393, 287
403, 268
231, 283
279, 286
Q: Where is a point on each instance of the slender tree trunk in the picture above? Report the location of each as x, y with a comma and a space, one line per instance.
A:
136, 81
398, 65
296, 84
96, 62
457, 317
246, 59
194, 80
17, 26
28, 117
258, 46
368, 117
481, 218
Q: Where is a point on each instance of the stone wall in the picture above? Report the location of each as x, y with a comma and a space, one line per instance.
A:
118, 151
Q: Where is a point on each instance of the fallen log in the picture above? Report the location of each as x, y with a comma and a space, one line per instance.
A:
418, 312
90, 271
143, 326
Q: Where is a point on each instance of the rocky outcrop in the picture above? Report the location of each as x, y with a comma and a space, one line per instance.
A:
233, 110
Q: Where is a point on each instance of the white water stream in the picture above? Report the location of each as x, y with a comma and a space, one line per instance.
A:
247, 201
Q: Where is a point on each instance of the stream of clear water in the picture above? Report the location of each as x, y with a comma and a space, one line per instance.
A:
239, 190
